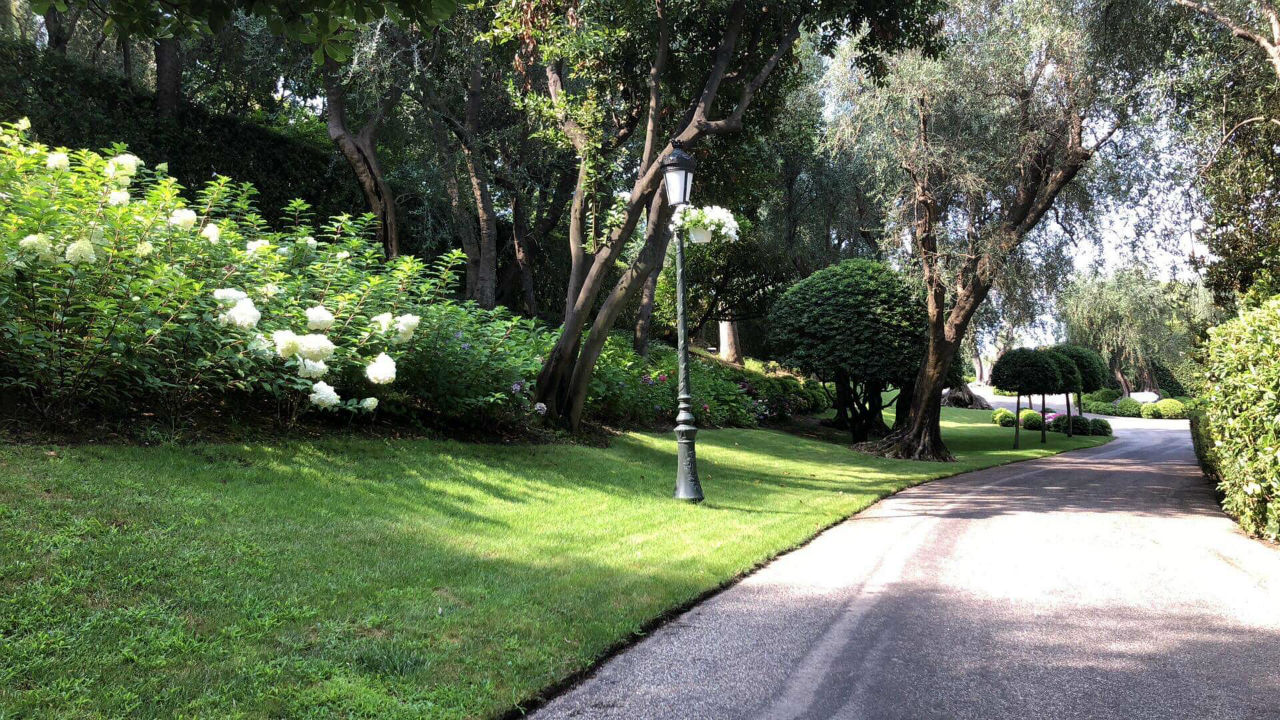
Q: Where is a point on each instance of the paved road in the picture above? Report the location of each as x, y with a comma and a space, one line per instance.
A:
1103, 583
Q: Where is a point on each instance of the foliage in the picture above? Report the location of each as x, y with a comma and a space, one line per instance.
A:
1171, 409
1068, 373
119, 299
1031, 419
1026, 371
1098, 426
1103, 395
1126, 407
1079, 425
1149, 411
1002, 417
1089, 364
76, 106
1137, 321
857, 322
1242, 373
1167, 383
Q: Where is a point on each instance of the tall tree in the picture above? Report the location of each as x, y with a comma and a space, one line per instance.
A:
989, 138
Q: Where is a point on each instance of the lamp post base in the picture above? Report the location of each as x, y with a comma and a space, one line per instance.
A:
687, 486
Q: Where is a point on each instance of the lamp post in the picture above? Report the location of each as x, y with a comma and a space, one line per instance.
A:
678, 170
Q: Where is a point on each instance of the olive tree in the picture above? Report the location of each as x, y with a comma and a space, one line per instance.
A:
1026, 372
981, 145
859, 325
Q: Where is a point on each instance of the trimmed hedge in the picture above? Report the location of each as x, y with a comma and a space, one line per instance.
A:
1032, 420
1127, 407
1098, 426
1002, 417
1242, 375
1149, 411
1171, 409
1079, 425
1105, 395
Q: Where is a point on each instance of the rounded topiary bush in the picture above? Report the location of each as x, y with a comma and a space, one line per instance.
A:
1002, 417
1149, 411
1090, 365
1127, 407
1105, 395
1079, 425
1098, 426
1242, 373
1171, 409
1026, 371
1032, 420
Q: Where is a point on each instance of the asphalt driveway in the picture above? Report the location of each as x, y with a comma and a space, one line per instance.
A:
1104, 583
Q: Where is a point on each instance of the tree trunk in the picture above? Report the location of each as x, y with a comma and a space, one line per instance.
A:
1017, 421
59, 28
623, 292
730, 351
1068, 397
644, 318
1044, 430
126, 57
977, 365
524, 258
843, 401
463, 222
487, 264
1125, 387
168, 77
361, 152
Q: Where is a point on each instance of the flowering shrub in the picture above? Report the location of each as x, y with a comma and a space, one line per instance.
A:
117, 296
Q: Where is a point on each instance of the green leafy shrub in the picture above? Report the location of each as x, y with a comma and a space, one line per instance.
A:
1105, 395
1098, 408
1032, 420
1079, 425
1171, 409
1098, 426
857, 324
1242, 374
1126, 407
1150, 411
1002, 417
1027, 371
1003, 393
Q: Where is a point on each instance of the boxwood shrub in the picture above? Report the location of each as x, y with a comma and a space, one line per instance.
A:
1098, 426
1032, 420
1171, 409
1127, 407
1002, 417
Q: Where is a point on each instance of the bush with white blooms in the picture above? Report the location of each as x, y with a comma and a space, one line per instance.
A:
118, 296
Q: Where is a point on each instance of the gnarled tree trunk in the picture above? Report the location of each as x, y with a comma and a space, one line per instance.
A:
360, 149
730, 351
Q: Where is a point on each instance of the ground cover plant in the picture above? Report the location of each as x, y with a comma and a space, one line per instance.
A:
388, 579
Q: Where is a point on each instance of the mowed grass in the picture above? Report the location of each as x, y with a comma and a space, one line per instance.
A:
389, 579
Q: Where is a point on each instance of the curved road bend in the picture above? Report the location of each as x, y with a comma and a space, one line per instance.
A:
1104, 583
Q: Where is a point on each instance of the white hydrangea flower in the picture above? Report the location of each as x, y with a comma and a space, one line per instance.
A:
287, 344
58, 161
315, 347
318, 318
243, 314
383, 322
254, 246
323, 395
81, 251
183, 218
23, 124
126, 164
369, 404
38, 244
382, 370
312, 369
212, 233
310, 242
269, 290
144, 249
343, 255
405, 326
229, 295
118, 197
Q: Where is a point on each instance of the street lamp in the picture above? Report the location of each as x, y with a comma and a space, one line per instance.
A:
678, 169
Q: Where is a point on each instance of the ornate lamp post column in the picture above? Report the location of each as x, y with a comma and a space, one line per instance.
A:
678, 168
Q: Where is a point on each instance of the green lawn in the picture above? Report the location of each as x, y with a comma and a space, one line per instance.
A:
370, 578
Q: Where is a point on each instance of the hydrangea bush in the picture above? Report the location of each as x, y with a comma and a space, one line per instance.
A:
118, 296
